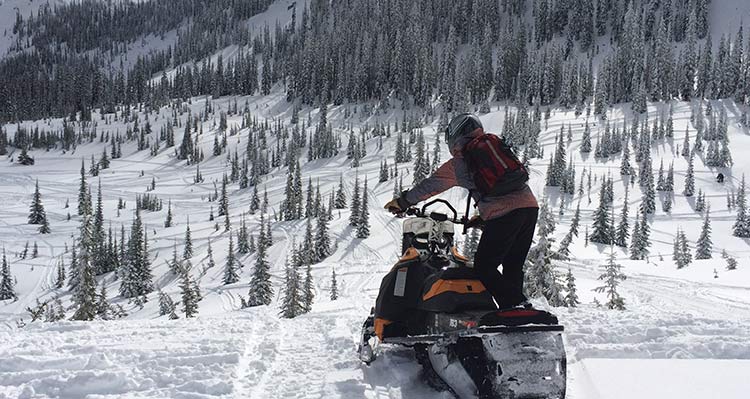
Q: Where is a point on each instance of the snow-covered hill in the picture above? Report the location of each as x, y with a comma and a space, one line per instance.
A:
699, 312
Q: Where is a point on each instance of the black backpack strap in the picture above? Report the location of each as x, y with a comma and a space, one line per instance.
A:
466, 215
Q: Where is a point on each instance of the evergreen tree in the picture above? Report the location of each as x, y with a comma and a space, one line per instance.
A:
84, 296
190, 294
322, 238
166, 305
612, 276
640, 242
690, 177
741, 226
6, 281
363, 225
623, 227
230, 270
334, 286
37, 215
60, 279
571, 296
137, 279
168, 220
731, 261
308, 290
681, 252
541, 279
187, 251
84, 206
704, 245
340, 202
355, 206
586, 141
603, 232
261, 291
291, 304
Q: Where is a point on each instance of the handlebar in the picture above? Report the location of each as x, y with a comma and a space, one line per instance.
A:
436, 216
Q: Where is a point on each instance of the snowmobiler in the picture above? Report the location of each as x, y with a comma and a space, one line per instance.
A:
432, 301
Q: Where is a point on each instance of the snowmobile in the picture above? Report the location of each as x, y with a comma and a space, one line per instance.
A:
433, 302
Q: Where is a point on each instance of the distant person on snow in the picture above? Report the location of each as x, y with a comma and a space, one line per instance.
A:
720, 178
496, 180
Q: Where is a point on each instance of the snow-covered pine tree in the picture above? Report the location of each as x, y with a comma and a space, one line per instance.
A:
168, 220
291, 304
340, 202
243, 245
363, 224
700, 201
261, 291
681, 252
224, 198
137, 279
84, 296
230, 269
586, 141
563, 252
622, 232
556, 172
84, 205
612, 276
166, 304
686, 144
355, 205
322, 238
602, 232
640, 242
741, 226
37, 215
690, 177
175, 265
210, 256
187, 251
661, 180
308, 289
6, 280
334, 286
731, 261
648, 200
60, 277
190, 293
571, 292
541, 279
254, 201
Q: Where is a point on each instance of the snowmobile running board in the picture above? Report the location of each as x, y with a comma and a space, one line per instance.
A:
430, 339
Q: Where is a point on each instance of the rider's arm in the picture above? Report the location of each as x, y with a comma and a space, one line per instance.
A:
442, 179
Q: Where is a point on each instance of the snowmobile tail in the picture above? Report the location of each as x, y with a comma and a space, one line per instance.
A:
515, 353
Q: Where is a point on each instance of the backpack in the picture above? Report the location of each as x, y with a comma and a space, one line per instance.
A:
494, 167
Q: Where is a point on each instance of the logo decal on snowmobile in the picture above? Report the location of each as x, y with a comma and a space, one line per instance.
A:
400, 287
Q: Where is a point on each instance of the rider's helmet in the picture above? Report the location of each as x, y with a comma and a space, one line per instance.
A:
459, 126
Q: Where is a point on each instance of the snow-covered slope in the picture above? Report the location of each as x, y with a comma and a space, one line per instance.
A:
228, 352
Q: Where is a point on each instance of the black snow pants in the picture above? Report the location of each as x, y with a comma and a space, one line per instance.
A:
505, 240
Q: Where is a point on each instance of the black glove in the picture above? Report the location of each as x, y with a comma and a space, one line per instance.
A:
398, 205
475, 222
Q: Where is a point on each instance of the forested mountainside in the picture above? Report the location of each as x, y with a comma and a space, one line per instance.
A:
73, 57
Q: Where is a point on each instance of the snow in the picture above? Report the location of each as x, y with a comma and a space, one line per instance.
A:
685, 319
636, 378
